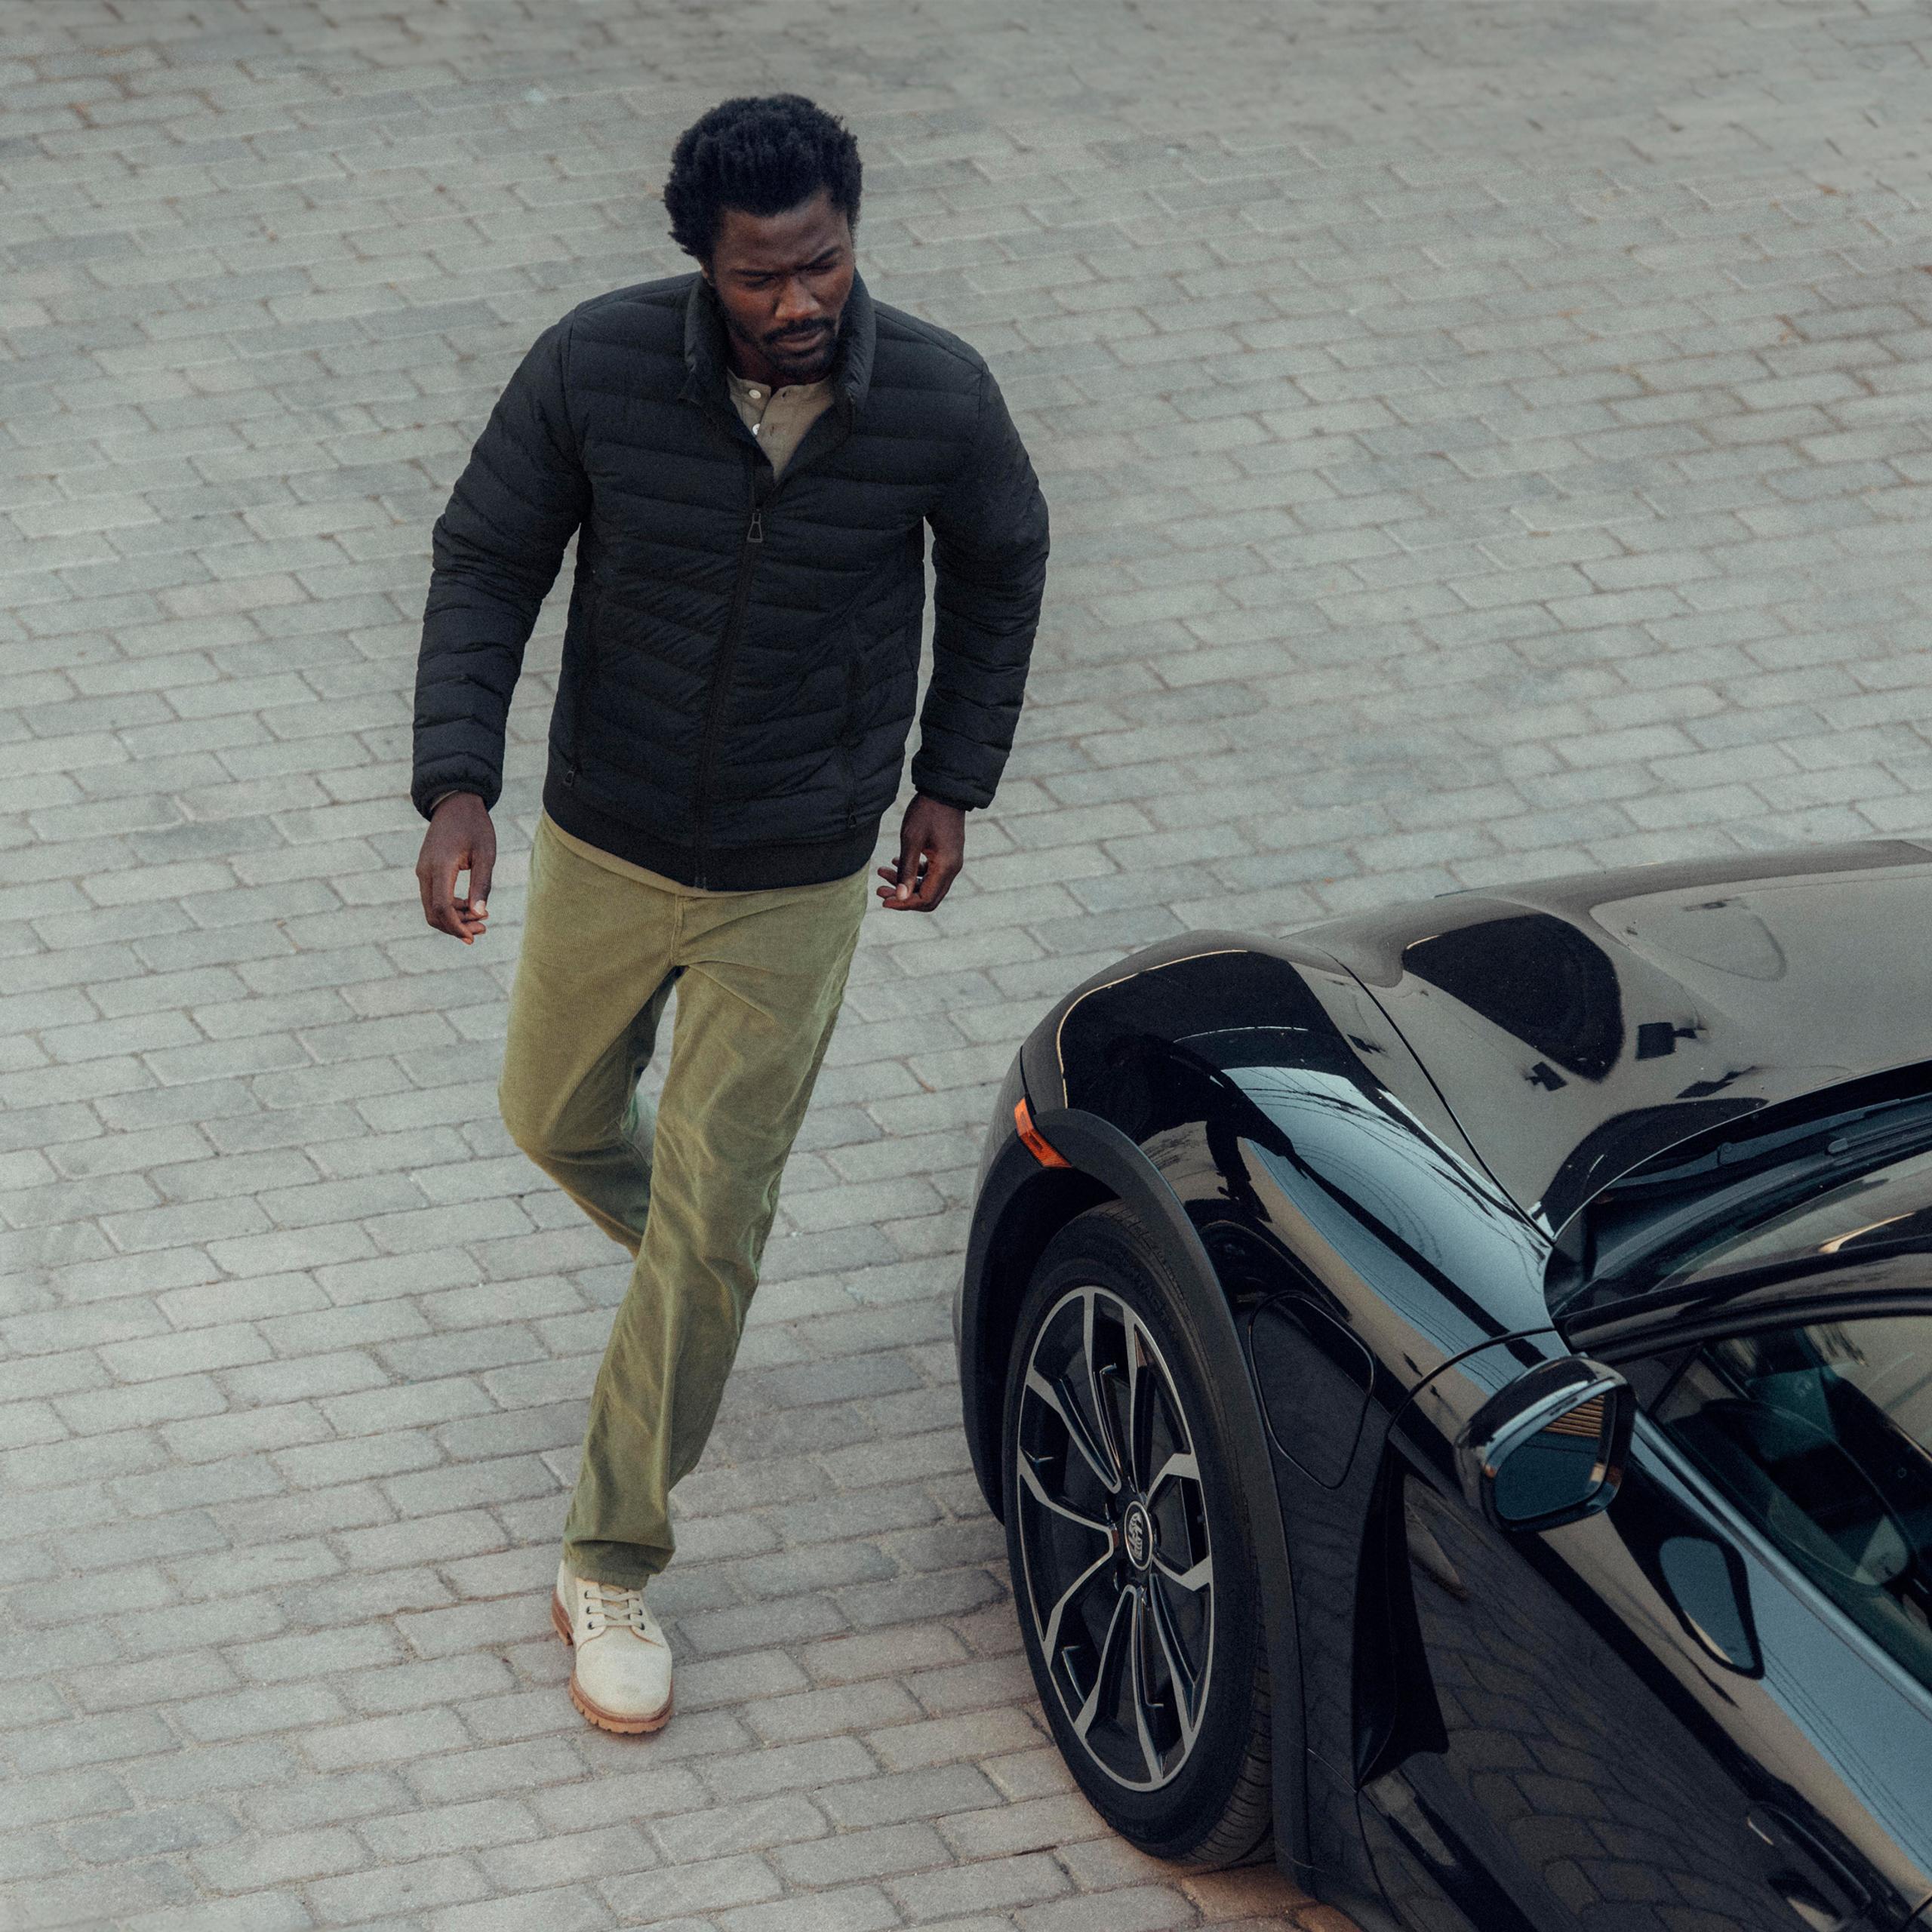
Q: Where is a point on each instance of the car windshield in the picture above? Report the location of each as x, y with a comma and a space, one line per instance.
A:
1891, 1204
1840, 1186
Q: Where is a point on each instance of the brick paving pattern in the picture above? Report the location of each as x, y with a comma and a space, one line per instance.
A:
1483, 440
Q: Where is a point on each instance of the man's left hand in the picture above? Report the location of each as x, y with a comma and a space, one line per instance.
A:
932, 850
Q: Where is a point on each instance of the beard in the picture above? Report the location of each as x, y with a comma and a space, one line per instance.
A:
798, 358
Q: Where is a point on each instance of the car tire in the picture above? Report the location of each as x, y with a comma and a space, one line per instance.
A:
1140, 1603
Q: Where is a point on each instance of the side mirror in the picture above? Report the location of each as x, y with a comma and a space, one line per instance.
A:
1548, 1450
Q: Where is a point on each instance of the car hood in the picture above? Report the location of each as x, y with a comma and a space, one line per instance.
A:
1576, 1026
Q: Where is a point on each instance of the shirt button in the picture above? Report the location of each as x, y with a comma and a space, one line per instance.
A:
754, 394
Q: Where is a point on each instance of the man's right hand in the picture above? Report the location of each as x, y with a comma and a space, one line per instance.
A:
460, 839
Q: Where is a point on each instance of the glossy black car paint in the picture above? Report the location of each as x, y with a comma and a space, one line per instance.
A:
1367, 1236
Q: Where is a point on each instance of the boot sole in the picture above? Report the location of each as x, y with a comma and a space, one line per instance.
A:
594, 1713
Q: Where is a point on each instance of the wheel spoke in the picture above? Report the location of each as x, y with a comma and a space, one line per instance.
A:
1179, 1467
1050, 1633
1149, 1753
1030, 1475
1143, 1381
1181, 1672
1075, 1425
1083, 1718
1196, 1578
1103, 1416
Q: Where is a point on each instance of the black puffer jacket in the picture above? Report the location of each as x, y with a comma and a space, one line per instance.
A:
740, 662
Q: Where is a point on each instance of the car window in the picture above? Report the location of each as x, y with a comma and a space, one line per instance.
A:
1890, 1203
1821, 1434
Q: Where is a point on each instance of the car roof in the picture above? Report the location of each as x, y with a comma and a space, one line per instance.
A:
1577, 1026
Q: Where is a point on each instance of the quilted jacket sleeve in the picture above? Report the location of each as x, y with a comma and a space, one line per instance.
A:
989, 566
496, 551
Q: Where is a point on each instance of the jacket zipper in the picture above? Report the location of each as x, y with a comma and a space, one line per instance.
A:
721, 676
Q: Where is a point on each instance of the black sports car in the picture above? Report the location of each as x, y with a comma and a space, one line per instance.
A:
1457, 1384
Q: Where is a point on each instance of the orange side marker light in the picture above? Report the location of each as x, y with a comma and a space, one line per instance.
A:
1036, 1142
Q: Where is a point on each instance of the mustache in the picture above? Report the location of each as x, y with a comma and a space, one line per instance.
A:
798, 338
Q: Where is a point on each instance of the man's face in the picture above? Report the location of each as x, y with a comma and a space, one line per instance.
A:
782, 281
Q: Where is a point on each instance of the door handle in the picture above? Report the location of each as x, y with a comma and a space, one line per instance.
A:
1804, 1892
1809, 1904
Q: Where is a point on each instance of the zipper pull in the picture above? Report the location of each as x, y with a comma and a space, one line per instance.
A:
756, 533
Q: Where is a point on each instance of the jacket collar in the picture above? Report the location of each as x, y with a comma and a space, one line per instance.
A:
705, 357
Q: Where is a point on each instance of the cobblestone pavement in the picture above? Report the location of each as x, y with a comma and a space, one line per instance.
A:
1482, 439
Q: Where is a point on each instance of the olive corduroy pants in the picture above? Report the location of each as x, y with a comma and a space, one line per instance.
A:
690, 1190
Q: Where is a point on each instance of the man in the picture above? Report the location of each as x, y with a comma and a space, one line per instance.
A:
748, 458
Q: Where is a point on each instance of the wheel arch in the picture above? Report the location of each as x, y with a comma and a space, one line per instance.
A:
1038, 1202
1105, 1165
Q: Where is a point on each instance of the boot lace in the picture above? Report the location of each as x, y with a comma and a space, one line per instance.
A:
611, 1607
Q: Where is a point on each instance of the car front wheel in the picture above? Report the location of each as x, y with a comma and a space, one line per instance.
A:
1132, 1561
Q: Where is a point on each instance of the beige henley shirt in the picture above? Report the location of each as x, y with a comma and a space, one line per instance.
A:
779, 418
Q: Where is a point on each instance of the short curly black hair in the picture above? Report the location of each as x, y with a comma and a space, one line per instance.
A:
763, 153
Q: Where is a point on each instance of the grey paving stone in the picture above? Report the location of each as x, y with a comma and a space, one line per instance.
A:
1437, 500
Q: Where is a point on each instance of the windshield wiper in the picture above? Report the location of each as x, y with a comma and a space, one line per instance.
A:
1844, 1136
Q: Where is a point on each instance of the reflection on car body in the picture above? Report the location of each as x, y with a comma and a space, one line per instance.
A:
1541, 1279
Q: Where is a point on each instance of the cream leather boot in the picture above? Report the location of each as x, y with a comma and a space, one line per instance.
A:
621, 1679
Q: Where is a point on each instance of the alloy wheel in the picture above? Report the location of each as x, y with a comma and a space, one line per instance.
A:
1119, 1577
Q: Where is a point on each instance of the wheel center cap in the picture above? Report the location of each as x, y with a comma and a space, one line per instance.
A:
1136, 1532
